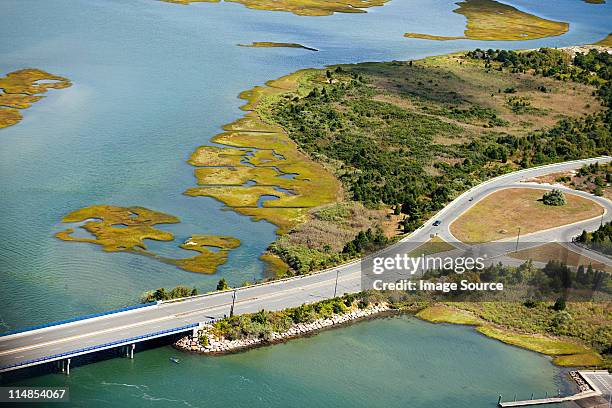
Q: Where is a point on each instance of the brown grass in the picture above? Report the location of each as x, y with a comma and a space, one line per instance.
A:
499, 215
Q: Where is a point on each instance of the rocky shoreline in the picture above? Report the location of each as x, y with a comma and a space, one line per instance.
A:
218, 346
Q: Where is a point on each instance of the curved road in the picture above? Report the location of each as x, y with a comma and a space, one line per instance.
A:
19, 348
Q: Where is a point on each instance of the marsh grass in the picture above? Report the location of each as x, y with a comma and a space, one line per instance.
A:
300, 7
492, 21
20, 89
124, 229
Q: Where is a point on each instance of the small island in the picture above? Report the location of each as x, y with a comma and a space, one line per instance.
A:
124, 229
489, 20
20, 89
268, 44
300, 7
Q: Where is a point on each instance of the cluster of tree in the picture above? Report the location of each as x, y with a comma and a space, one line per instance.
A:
179, 291
599, 240
554, 197
593, 67
598, 174
382, 151
365, 241
555, 278
263, 323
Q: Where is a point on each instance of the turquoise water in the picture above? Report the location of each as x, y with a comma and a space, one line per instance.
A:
152, 81
393, 362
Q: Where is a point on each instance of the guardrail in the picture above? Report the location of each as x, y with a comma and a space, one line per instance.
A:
75, 319
97, 347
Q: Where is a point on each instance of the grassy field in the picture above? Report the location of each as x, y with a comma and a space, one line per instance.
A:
490, 20
499, 215
515, 324
20, 89
448, 314
268, 44
554, 251
606, 42
540, 343
300, 7
433, 246
125, 229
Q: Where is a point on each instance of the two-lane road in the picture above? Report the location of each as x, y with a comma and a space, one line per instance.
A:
65, 338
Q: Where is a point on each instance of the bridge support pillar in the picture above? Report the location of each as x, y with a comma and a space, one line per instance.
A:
68, 367
132, 347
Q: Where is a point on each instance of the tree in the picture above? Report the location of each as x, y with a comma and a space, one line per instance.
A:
559, 304
222, 285
554, 197
160, 294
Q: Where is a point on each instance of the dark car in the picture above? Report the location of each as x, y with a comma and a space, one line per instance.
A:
436, 223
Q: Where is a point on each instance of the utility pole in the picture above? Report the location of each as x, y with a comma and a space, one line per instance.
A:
233, 302
518, 236
336, 285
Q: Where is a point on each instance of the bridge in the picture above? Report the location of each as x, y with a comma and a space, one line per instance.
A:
62, 341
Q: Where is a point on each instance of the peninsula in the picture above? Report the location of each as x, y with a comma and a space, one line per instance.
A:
490, 20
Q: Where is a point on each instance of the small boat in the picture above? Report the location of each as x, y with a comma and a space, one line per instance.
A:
175, 360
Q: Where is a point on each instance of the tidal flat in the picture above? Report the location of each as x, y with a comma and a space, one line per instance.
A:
489, 20
20, 89
125, 229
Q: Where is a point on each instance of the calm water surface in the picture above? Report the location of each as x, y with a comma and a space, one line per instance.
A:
152, 81
393, 362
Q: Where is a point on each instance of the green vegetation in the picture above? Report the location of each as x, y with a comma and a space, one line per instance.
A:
263, 323
125, 229
606, 42
300, 7
579, 360
595, 178
490, 20
268, 44
411, 136
433, 246
554, 197
20, 89
448, 314
541, 344
163, 294
599, 240
564, 327
222, 284
569, 353
260, 151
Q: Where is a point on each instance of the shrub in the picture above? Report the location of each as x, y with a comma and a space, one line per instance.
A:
554, 197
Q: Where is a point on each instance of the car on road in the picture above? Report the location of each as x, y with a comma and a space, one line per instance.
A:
436, 223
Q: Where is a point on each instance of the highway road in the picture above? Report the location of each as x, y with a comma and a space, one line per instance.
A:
54, 340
